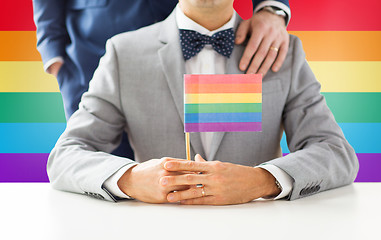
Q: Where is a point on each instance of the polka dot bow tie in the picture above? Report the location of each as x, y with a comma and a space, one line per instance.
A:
193, 42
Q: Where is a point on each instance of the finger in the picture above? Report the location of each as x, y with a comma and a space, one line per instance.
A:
198, 158
269, 60
166, 159
177, 173
208, 200
259, 56
281, 57
242, 32
186, 166
193, 192
250, 50
187, 179
179, 188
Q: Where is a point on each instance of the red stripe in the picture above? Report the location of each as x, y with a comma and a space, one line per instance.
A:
323, 15
335, 15
223, 79
244, 8
16, 15
223, 88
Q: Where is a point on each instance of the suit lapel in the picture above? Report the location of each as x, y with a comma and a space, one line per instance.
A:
173, 65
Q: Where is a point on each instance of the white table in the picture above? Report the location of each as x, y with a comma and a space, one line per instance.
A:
36, 211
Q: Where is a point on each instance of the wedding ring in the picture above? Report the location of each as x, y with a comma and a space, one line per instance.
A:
202, 191
274, 48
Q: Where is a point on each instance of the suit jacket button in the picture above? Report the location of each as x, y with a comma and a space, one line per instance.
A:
302, 192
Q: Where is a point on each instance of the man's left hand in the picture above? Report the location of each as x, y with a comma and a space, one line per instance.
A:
267, 45
223, 183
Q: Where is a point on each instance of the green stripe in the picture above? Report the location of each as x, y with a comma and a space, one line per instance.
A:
355, 107
223, 107
31, 107
48, 107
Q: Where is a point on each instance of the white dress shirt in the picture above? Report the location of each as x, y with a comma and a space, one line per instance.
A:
207, 61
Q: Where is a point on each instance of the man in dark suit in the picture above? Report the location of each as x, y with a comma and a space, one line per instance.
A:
72, 35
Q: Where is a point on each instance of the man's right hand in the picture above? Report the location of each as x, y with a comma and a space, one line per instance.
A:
143, 181
54, 68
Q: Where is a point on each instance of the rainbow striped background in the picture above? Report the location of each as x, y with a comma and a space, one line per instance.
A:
223, 103
341, 38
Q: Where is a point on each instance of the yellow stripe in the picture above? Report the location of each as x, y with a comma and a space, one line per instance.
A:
334, 76
348, 76
224, 98
26, 77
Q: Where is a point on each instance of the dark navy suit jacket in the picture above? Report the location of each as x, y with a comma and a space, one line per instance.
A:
77, 30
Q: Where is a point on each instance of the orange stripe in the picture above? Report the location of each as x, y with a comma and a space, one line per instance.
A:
341, 45
319, 45
223, 88
18, 46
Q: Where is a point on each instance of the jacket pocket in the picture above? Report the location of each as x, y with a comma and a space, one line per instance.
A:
83, 4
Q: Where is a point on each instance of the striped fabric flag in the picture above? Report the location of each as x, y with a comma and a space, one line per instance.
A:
223, 103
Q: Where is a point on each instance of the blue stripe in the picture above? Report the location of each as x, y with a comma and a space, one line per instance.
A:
223, 117
29, 137
363, 137
41, 137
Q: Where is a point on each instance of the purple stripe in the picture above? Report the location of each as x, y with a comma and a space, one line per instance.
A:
224, 127
370, 167
23, 167
31, 167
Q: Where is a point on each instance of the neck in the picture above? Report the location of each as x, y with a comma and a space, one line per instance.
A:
210, 17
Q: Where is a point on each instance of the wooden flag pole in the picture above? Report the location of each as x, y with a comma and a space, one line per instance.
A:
187, 145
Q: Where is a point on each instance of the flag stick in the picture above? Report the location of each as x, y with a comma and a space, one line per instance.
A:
187, 145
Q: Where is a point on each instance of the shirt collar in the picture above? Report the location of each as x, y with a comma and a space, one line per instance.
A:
184, 22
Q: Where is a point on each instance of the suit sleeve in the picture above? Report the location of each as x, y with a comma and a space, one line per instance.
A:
81, 161
282, 4
320, 158
49, 17
270, 3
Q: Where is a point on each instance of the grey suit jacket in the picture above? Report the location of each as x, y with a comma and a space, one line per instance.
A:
138, 87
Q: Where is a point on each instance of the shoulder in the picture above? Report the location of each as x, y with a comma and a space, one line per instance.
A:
296, 48
138, 40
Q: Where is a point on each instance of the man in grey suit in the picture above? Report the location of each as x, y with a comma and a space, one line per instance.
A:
147, 102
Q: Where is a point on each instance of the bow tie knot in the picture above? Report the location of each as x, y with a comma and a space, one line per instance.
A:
193, 42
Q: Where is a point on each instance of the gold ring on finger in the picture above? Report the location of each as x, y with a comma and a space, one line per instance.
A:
274, 48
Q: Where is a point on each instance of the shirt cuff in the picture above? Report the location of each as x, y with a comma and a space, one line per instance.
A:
282, 177
111, 184
51, 61
277, 4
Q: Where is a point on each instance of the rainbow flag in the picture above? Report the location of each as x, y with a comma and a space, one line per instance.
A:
223, 103
343, 52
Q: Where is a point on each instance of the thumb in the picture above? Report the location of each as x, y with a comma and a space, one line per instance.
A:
242, 31
198, 158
